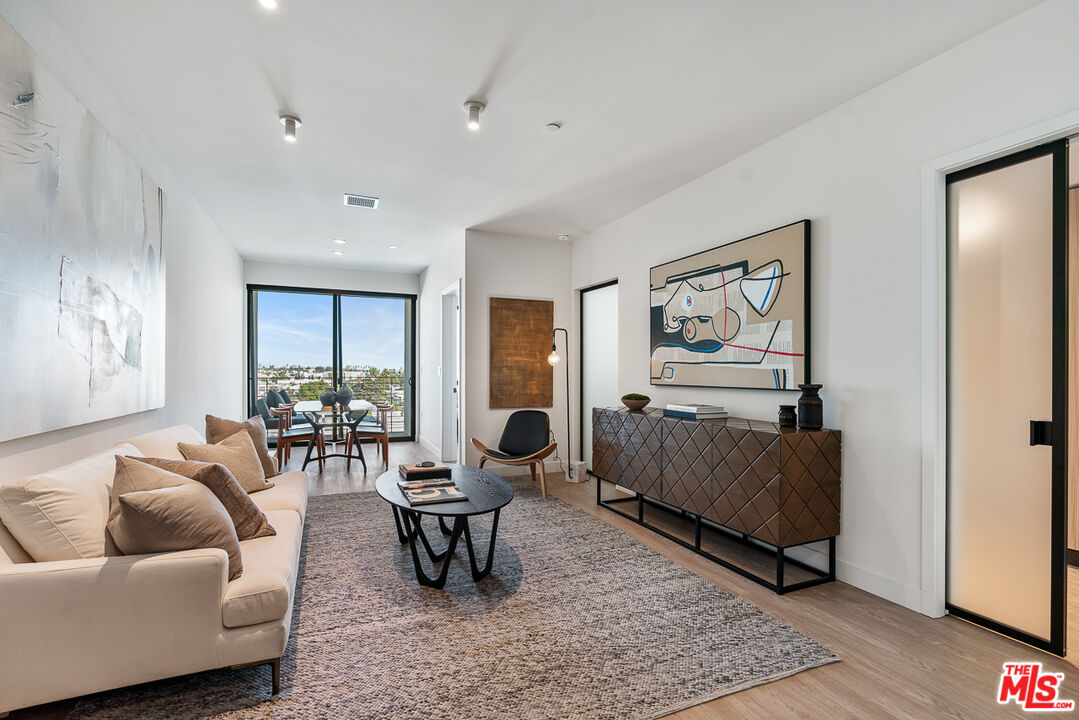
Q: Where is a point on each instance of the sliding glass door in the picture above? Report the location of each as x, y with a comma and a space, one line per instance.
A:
376, 352
304, 341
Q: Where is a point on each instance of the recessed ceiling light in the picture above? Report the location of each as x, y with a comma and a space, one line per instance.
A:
553, 127
338, 241
393, 247
563, 237
337, 252
474, 108
268, 4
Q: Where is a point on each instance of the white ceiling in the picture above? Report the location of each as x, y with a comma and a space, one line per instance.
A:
650, 95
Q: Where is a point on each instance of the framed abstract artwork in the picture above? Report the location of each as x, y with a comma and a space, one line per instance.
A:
520, 376
736, 316
82, 280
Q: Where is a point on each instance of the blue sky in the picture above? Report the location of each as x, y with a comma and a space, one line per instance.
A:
297, 329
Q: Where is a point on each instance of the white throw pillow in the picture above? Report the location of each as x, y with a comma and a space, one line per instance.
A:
61, 514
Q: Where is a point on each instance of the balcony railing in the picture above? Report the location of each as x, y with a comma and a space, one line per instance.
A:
372, 388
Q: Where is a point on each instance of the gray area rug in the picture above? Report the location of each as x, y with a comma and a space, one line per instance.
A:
577, 620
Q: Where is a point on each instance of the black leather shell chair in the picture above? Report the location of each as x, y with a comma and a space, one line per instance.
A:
526, 440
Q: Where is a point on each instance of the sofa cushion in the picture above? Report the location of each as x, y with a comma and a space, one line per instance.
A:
162, 443
265, 590
217, 429
288, 493
134, 476
181, 517
61, 514
11, 551
237, 453
250, 522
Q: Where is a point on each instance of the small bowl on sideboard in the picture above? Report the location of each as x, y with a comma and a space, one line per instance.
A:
636, 403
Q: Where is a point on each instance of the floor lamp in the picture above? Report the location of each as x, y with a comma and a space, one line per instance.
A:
554, 359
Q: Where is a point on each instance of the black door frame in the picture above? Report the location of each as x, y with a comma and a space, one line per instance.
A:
1057, 643
580, 361
338, 360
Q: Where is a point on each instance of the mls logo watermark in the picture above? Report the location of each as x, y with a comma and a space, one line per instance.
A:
1030, 688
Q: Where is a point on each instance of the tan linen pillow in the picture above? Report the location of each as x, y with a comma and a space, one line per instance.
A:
217, 429
250, 522
134, 476
182, 517
237, 453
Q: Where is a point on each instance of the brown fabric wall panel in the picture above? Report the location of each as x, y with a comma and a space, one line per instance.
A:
520, 340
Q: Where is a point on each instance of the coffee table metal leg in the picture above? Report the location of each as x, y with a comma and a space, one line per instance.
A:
478, 574
458, 525
397, 522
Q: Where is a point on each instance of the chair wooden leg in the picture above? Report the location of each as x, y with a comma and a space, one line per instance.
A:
482, 461
348, 451
321, 451
280, 452
543, 480
386, 449
532, 467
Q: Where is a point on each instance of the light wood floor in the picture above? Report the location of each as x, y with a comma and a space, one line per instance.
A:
895, 663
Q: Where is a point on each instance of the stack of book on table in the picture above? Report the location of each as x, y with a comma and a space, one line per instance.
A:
695, 412
424, 484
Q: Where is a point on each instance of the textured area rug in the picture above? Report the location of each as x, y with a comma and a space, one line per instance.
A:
577, 620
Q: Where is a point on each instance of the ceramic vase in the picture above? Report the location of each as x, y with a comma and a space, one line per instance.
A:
787, 417
810, 407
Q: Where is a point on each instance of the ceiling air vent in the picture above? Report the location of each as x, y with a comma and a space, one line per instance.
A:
361, 201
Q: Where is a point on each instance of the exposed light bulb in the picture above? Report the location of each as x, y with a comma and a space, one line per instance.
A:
291, 122
268, 4
553, 358
474, 108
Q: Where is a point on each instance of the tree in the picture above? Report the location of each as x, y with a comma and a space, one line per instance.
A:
311, 390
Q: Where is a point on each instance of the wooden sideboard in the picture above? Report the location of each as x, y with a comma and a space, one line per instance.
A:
764, 484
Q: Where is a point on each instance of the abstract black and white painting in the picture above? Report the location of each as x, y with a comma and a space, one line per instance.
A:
82, 259
734, 316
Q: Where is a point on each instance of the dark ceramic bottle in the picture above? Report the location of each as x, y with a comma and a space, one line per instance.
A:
787, 418
810, 407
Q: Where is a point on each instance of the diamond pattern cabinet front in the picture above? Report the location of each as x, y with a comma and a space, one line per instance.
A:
686, 461
775, 484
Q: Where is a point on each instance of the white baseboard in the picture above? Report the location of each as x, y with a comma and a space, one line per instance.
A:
431, 447
906, 595
518, 470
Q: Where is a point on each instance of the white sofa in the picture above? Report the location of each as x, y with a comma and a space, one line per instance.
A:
72, 627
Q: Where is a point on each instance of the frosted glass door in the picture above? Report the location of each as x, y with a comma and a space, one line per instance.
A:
599, 358
1004, 564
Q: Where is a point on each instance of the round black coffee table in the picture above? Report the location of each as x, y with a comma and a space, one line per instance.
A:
487, 493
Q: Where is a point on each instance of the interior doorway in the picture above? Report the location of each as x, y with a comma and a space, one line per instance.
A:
451, 373
1007, 395
599, 357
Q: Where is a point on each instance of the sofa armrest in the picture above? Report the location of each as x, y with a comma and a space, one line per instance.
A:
73, 627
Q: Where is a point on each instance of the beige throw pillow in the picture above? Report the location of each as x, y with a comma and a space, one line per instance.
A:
250, 522
182, 517
237, 453
217, 429
134, 476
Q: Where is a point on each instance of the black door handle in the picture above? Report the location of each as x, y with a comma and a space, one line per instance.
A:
1041, 432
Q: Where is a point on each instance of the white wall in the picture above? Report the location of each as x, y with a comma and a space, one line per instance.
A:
329, 277
855, 172
447, 269
204, 295
500, 265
